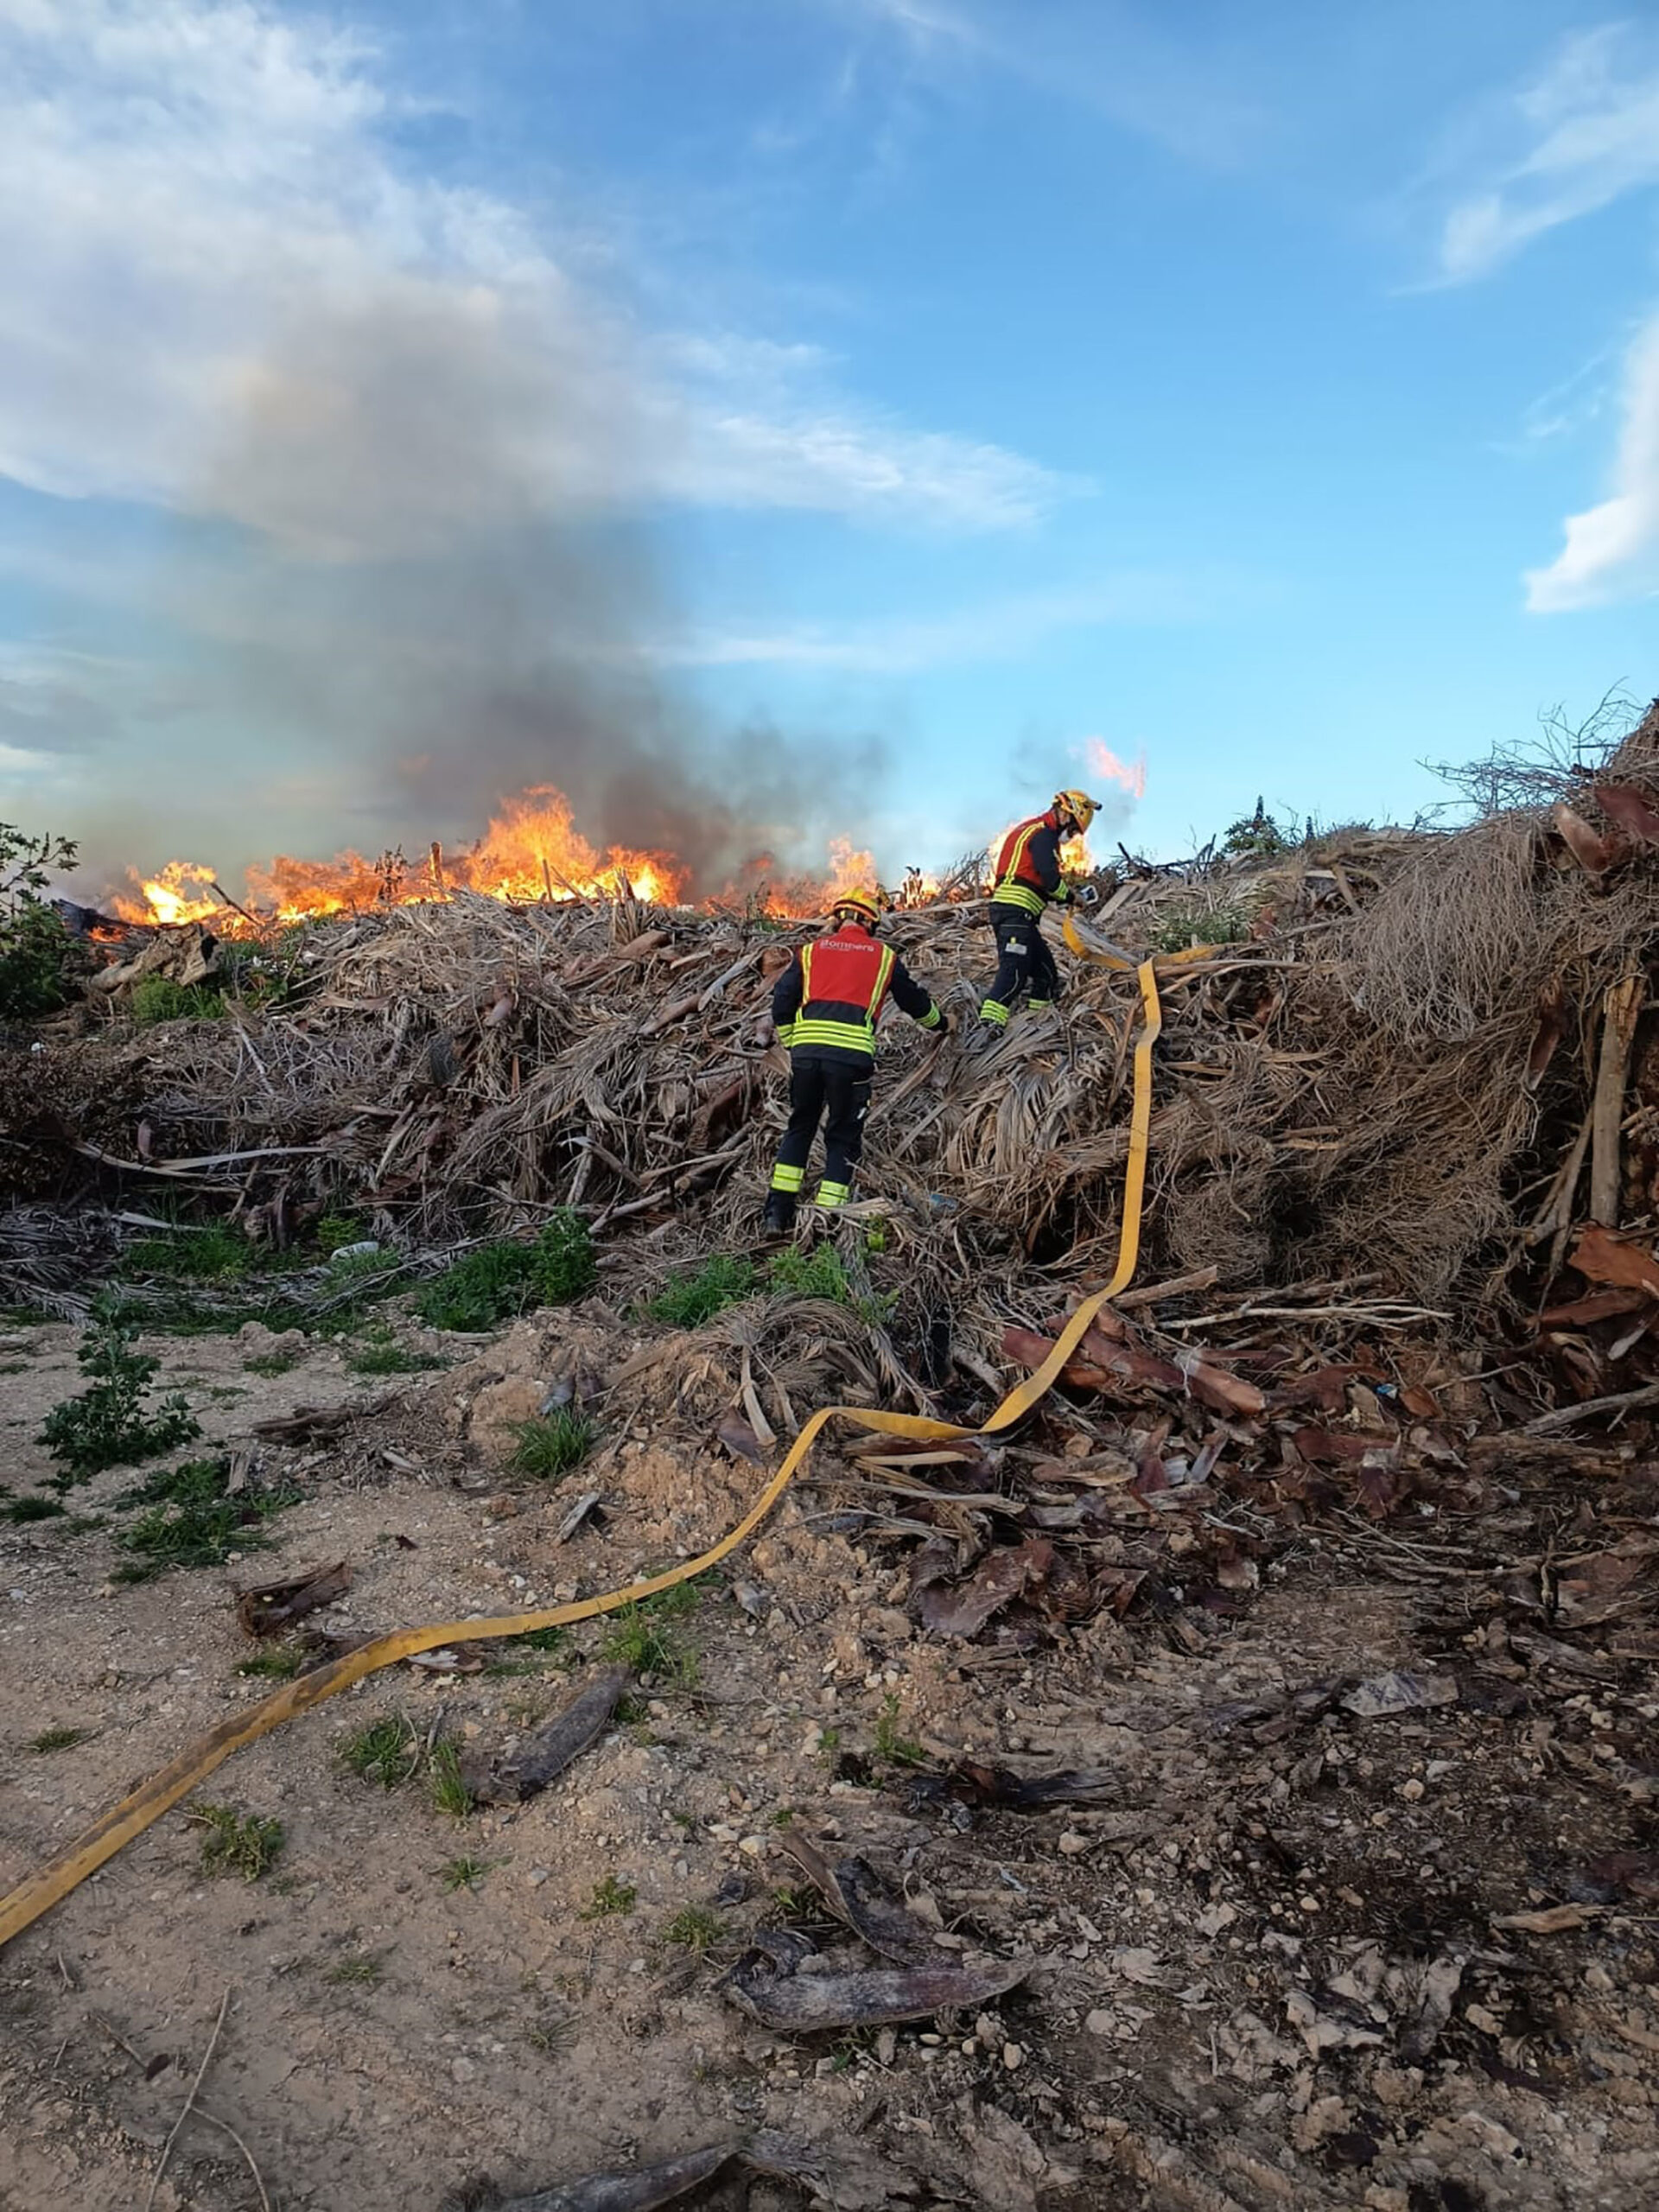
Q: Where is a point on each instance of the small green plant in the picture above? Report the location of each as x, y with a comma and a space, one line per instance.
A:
554, 2034
58, 1739
334, 1230
194, 1520
110, 1423
694, 1928
610, 1897
236, 1843
1197, 921
386, 1751
280, 1664
643, 1635
358, 1970
551, 1443
540, 1639
694, 1296
37, 954
449, 1791
899, 1751
493, 1282
209, 1255
463, 1873
828, 1742
158, 998
381, 1354
271, 1363
817, 1274
32, 1509
1260, 836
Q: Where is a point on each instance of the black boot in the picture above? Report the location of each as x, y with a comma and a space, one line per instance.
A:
780, 1212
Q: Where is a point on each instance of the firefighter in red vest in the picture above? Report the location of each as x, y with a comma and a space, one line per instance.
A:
825, 1006
1027, 877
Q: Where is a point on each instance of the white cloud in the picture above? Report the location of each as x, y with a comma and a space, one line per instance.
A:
223, 294
1580, 135
1612, 550
1114, 57
993, 631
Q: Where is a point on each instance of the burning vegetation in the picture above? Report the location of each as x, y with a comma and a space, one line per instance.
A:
1264, 1716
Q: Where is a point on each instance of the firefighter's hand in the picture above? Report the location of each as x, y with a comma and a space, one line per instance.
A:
1088, 894
946, 1024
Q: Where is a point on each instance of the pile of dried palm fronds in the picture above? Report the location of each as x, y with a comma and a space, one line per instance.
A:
1378, 1068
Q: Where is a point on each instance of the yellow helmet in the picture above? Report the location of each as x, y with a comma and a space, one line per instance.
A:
864, 905
1078, 804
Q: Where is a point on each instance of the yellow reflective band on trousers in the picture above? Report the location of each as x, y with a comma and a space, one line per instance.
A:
833, 1194
785, 1178
136, 1812
993, 1011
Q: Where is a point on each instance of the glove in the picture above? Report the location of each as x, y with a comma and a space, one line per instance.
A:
946, 1024
1088, 894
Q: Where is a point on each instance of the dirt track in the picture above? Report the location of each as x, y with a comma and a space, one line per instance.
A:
1272, 1882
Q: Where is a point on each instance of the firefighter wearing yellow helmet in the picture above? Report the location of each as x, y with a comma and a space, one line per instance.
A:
825, 1006
1028, 877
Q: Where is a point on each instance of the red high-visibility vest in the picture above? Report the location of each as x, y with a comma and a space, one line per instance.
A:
843, 987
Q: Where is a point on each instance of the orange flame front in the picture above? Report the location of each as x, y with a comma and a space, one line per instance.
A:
532, 853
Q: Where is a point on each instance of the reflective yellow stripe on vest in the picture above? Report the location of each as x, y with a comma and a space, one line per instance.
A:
848, 1036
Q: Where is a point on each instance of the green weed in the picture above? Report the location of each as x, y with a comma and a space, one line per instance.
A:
449, 1791
32, 1509
58, 1739
610, 1897
210, 1255
643, 1635
694, 1296
899, 1751
694, 1928
361, 1970
279, 1665
552, 1444
541, 1639
1188, 922
463, 1873
236, 1843
334, 1230
386, 1751
192, 1520
110, 1422
158, 998
493, 1282
817, 1274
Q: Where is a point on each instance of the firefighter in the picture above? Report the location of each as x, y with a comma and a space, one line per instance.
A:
825, 1006
1028, 878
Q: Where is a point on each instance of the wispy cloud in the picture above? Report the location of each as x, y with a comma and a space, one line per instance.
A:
202, 220
1115, 57
1612, 549
1572, 140
989, 630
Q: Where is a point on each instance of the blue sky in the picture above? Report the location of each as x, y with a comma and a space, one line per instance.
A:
902, 390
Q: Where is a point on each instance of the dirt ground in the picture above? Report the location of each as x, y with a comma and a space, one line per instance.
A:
1272, 1971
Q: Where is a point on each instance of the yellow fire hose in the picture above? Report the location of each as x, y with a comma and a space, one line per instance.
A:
151, 1799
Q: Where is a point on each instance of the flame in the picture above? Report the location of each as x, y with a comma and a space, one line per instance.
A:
1129, 775
532, 853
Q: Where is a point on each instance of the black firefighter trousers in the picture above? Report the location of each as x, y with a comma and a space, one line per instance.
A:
838, 1094
1024, 962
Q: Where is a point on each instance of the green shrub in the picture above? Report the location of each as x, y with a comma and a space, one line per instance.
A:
334, 1230
386, 1749
1196, 921
642, 1636
817, 1274
553, 1443
37, 954
158, 998
32, 1509
696, 1295
236, 1843
38, 958
493, 1282
206, 1254
108, 1423
194, 1521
